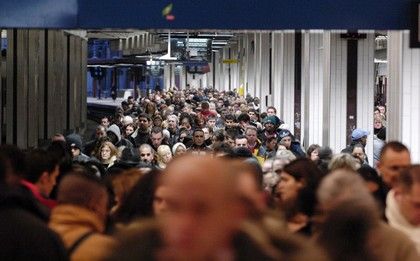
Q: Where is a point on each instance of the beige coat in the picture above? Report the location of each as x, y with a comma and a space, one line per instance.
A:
71, 222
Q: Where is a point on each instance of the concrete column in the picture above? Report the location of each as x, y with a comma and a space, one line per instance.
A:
226, 70
167, 76
218, 71
312, 87
403, 93
210, 75
250, 68
182, 79
338, 92
365, 87
234, 68
263, 84
172, 76
283, 82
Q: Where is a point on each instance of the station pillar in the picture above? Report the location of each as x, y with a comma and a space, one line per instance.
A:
403, 92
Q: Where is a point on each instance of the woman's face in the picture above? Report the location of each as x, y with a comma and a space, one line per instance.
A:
166, 156
105, 152
314, 155
288, 187
377, 124
129, 130
180, 150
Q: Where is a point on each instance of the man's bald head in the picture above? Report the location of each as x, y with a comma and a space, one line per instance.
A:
203, 207
202, 172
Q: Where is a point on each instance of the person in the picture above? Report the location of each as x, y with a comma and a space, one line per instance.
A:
286, 139
402, 205
203, 224
296, 190
122, 183
394, 157
105, 122
343, 200
147, 154
40, 176
313, 152
107, 154
142, 134
270, 123
378, 144
358, 136
90, 146
358, 153
344, 161
179, 149
198, 146
80, 216
74, 142
157, 138
114, 134
271, 111
241, 141
140, 201
164, 156
255, 145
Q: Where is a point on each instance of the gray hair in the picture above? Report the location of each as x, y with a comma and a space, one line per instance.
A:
343, 161
342, 185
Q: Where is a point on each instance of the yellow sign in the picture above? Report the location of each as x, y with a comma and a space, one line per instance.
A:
230, 61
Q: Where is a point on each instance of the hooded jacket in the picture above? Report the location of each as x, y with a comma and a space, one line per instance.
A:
72, 222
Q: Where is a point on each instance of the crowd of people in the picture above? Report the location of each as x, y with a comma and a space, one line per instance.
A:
206, 175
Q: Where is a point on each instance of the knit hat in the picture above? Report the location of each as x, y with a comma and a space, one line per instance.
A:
175, 147
284, 133
272, 119
74, 140
127, 120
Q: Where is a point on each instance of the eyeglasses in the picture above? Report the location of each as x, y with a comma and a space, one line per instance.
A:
145, 154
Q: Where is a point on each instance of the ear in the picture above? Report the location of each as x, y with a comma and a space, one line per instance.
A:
45, 178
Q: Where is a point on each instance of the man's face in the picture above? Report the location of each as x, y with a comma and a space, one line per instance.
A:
105, 122
143, 123
100, 133
230, 142
146, 155
390, 165
186, 124
197, 223
241, 143
48, 182
211, 123
157, 139
198, 138
269, 126
409, 203
271, 112
75, 151
229, 124
252, 115
251, 136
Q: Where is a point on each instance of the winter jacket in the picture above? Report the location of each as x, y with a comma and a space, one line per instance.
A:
71, 222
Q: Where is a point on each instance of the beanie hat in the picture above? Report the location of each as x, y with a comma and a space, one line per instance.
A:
74, 140
127, 120
272, 119
176, 145
284, 133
